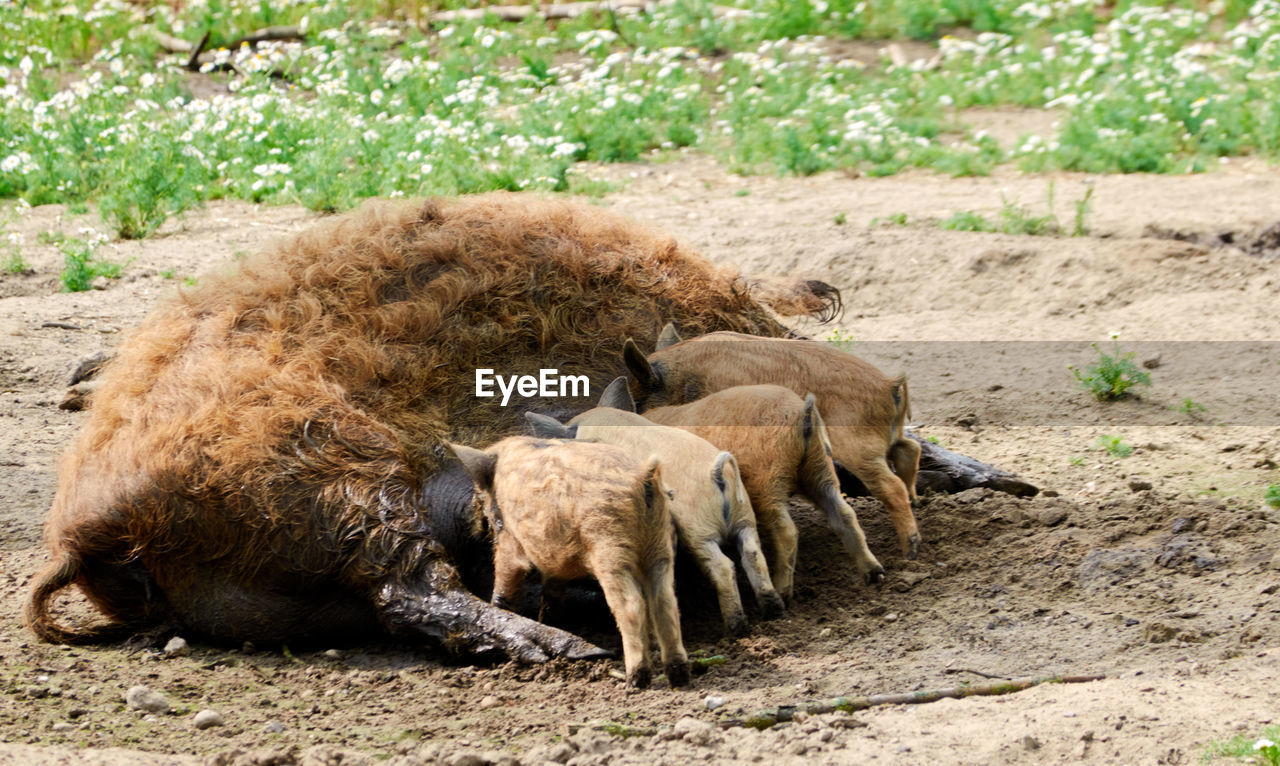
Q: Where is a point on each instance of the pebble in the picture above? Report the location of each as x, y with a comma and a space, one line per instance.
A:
713, 702
273, 727
489, 701
1030, 743
891, 617
207, 719
693, 731
1139, 485
333, 654
143, 698
62, 726
177, 647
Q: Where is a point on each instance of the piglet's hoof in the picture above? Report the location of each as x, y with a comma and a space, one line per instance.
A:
771, 607
912, 548
640, 678
678, 673
876, 576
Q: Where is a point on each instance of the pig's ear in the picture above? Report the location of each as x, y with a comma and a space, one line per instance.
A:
669, 337
618, 396
549, 428
639, 366
479, 465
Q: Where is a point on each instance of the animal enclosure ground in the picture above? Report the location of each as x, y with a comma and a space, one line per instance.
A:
1160, 570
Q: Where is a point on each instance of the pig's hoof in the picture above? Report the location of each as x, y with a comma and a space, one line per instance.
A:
736, 625
771, 606
912, 548
875, 576
678, 673
640, 678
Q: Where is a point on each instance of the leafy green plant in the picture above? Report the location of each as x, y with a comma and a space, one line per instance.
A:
1256, 749
478, 105
1080, 225
1189, 406
1114, 446
151, 184
1017, 219
1113, 375
1076, 461
841, 339
840, 219
967, 220
82, 265
14, 263
1272, 498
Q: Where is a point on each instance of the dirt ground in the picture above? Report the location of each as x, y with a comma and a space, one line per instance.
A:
1159, 570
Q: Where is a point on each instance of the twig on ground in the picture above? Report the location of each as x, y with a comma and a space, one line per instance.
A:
193, 63
170, 43
611, 727
971, 670
773, 716
266, 35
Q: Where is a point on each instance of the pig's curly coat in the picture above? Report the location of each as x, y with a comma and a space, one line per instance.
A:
274, 428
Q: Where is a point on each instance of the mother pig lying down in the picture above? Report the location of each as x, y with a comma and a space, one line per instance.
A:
265, 458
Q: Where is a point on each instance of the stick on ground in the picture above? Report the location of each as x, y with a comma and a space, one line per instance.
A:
773, 716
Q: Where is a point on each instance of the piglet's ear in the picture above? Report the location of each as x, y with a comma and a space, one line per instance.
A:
479, 465
618, 396
669, 337
639, 366
546, 427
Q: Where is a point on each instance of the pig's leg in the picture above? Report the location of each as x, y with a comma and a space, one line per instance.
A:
664, 617
625, 596
844, 521
436, 604
904, 456
888, 489
757, 571
510, 568
784, 540
718, 568
552, 607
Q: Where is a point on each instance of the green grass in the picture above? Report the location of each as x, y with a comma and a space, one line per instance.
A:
1272, 498
1245, 748
373, 103
1112, 376
82, 265
14, 263
1189, 406
1017, 219
841, 339
1114, 446
967, 220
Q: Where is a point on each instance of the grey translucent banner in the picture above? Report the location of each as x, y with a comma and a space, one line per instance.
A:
1017, 383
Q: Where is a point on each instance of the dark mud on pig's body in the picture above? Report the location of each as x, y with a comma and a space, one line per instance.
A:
265, 457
